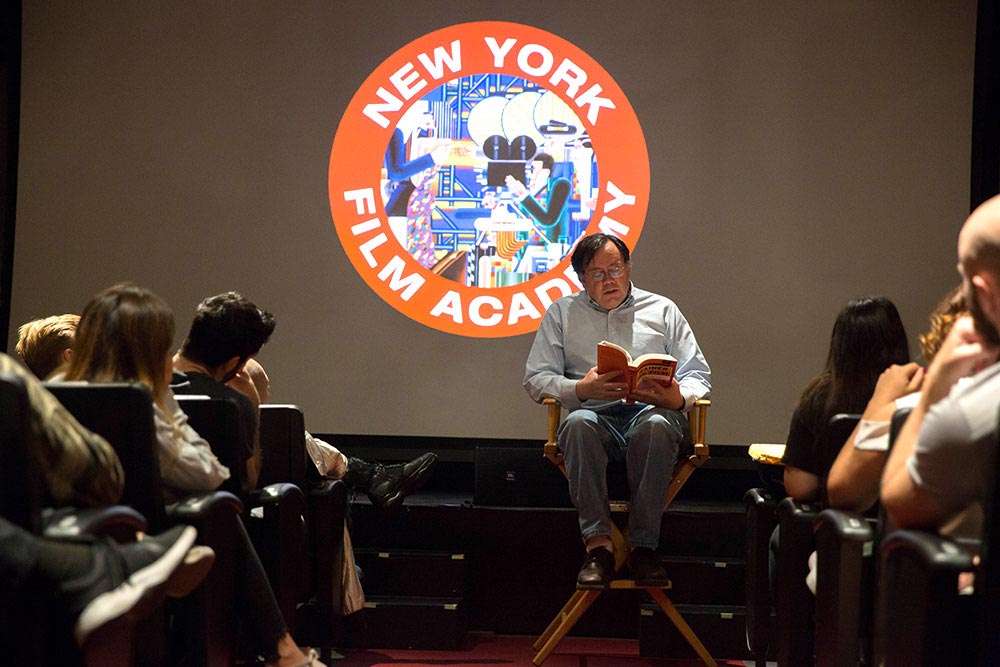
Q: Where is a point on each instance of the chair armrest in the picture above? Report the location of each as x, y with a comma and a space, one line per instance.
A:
118, 522
844, 526
207, 614
197, 507
328, 507
698, 419
844, 585
554, 414
921, 618
760, 523
281, 540
794, 599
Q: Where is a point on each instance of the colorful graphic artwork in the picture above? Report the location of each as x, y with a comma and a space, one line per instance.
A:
470, 162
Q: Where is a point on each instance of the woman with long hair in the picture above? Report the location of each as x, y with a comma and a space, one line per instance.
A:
125, 335
868, 337
854, 479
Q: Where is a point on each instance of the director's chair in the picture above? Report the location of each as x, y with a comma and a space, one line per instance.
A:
581, 600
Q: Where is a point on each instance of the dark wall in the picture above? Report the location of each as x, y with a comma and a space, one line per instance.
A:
10, 106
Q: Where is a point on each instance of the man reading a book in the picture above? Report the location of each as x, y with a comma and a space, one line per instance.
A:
646, 429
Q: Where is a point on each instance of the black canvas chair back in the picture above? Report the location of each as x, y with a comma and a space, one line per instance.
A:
218, 421
21, 487
122, 413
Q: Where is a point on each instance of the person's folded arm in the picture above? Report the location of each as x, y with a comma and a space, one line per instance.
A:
853, 483
801, 485
907, 504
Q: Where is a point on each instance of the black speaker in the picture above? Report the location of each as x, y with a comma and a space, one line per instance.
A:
518, 477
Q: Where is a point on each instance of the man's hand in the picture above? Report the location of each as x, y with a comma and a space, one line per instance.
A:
962, 354
894, 382
661, 395
604, 386
243, 383
259, 378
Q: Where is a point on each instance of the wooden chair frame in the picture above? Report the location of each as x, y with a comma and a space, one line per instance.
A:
581, 600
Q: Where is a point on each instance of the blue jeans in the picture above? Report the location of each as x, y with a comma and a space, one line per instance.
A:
647, 439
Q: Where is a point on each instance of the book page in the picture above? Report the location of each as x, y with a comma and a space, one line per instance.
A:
611, 357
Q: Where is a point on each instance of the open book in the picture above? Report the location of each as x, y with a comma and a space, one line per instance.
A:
652, 366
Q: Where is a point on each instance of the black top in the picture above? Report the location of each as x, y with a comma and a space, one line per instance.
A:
803, 444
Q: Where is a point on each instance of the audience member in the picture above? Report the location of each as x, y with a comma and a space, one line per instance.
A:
945, 455
856, 474
80, 468
604, 424
227, 331
45, 345
868, 337
125, 334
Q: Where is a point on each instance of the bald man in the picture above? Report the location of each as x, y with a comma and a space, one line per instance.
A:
943, 459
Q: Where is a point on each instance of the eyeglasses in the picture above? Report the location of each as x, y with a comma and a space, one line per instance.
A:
598, 275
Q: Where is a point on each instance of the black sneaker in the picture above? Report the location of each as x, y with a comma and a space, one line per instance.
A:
645, 568
127, 581
390, 485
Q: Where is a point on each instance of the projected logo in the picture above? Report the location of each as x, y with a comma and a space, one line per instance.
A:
470, 162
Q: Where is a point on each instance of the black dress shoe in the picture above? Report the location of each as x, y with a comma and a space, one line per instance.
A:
597, 570
390, 485
645, 568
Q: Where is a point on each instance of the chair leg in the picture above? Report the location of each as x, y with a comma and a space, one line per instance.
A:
566, 622
544, 637
675, 617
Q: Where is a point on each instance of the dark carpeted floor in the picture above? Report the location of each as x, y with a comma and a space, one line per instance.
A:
489, 650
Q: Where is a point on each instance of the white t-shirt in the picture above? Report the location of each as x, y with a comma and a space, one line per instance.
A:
956, 448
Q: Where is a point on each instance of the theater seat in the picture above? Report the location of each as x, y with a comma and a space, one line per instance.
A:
793, 603
847, 546
30, 633
274, 515
282, 440
123, 414
922, 617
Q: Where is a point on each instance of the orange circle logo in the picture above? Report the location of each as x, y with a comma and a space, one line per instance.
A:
469, 163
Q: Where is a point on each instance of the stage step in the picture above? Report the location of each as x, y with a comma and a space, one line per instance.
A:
722, 629
412, 572
419, 623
